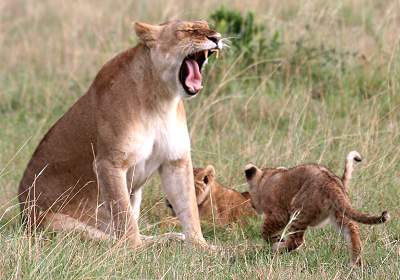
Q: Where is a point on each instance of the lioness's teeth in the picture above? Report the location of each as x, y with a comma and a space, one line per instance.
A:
216, 51
206, 54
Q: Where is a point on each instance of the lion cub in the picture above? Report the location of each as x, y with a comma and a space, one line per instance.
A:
303, 196
218, 203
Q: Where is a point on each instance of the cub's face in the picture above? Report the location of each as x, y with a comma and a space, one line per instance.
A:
256, 179
179, 50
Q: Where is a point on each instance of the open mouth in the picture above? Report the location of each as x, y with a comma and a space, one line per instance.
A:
190, 71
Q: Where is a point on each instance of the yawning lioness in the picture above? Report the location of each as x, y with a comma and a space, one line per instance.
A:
130, 124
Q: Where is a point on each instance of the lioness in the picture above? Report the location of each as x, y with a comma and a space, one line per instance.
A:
306, 195
217, 203
130, 124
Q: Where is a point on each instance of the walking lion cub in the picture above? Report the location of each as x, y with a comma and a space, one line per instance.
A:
303, 196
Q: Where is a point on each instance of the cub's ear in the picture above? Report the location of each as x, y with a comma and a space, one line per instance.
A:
246, 195
209, 174
147, 33
251, 171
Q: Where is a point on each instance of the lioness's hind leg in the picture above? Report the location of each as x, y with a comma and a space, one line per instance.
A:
64, 223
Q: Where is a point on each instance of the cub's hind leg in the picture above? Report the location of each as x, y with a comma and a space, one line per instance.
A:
351, 233
65, 223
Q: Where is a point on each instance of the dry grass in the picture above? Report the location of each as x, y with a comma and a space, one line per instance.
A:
51, 50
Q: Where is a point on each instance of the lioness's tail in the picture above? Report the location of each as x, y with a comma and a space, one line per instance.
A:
351, 158
342, 205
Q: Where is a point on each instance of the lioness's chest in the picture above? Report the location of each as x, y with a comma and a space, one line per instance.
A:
163, 140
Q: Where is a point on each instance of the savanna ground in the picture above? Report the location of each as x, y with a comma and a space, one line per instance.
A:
307, 82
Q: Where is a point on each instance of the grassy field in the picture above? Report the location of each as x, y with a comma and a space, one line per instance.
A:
325, 82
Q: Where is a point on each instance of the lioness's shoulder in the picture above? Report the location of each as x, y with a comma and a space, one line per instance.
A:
116, 66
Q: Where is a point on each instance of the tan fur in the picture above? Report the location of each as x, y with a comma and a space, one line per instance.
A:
308, 194
217, 203
130, 124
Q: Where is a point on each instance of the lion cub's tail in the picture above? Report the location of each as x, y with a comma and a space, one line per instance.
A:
351, 158
342, 205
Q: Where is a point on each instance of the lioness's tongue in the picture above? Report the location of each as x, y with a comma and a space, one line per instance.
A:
193, 79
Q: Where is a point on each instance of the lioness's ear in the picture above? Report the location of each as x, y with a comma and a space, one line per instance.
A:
147, 33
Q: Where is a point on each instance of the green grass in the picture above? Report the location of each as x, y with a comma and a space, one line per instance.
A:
296, 104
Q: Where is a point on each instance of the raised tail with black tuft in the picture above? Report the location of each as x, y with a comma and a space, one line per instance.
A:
351, 158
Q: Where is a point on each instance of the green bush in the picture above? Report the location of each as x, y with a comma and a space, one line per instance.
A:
246, 36
262, 52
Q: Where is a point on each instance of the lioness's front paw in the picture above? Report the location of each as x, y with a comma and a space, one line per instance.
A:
202, 245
